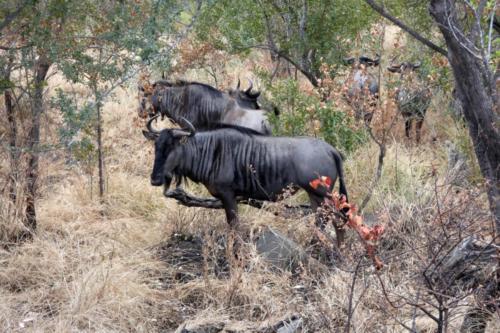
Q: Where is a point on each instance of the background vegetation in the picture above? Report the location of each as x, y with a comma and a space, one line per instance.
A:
86, 244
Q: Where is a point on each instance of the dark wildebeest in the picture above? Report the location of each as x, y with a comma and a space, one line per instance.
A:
362, 87
412, 98
204, 106
235, 162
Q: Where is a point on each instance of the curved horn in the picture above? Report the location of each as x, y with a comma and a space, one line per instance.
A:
189, 126
249, 88
369, 61
150, 127
395, 68
238, 85
417, 64
349, 61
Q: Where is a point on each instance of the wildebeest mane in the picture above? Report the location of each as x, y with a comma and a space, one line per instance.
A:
200, 103
241, 129
183, 83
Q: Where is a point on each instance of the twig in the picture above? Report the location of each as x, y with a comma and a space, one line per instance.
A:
350, 312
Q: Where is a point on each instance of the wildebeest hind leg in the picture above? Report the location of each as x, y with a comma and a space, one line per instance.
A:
321, 221
418, 128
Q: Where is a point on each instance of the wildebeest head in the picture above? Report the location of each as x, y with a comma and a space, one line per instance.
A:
245, 98
252, 100
203, 105
362, 61
412, 96
363, 87
165, 142
146, 105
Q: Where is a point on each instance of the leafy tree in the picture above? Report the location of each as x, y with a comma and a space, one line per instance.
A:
98, 43
304, 33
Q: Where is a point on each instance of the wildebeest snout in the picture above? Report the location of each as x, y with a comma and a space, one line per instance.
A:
157, 180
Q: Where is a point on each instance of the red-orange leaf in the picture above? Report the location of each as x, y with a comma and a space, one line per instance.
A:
323, 181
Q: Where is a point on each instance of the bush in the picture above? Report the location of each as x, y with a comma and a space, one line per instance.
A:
303, 113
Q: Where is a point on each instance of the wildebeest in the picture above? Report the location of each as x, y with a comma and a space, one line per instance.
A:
203, 105
234, 162
363, 87
412, 98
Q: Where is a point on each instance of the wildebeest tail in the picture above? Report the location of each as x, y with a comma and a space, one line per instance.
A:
340, 169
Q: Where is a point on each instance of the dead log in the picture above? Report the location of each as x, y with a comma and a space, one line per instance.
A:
471, 263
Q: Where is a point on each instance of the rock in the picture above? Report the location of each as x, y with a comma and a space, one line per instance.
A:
201, 327
279, 250
285, 254
292, 325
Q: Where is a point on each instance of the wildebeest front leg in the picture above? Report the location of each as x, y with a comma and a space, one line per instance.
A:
231, 208
407, 126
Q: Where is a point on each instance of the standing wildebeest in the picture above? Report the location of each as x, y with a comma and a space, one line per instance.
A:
204, 106
234, 162
412, 98
363, 88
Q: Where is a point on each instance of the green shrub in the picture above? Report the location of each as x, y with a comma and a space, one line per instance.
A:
303, 113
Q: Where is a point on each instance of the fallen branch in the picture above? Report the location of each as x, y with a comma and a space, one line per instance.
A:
189, 200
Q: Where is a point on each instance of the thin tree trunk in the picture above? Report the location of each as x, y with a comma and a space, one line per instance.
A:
41, 70
12, 145
100, 155
13, 149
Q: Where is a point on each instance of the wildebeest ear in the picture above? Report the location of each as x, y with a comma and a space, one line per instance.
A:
150, 136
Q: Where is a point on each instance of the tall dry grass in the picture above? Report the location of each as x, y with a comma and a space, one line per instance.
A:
138, 262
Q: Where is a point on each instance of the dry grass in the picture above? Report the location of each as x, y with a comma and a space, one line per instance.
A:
108, 267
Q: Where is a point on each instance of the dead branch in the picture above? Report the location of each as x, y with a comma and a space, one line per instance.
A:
189, 200
381, 10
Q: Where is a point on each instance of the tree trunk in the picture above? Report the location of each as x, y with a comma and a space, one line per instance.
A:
100, 156
12, 145
41, 69
479, 104
477, 93
13, 149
